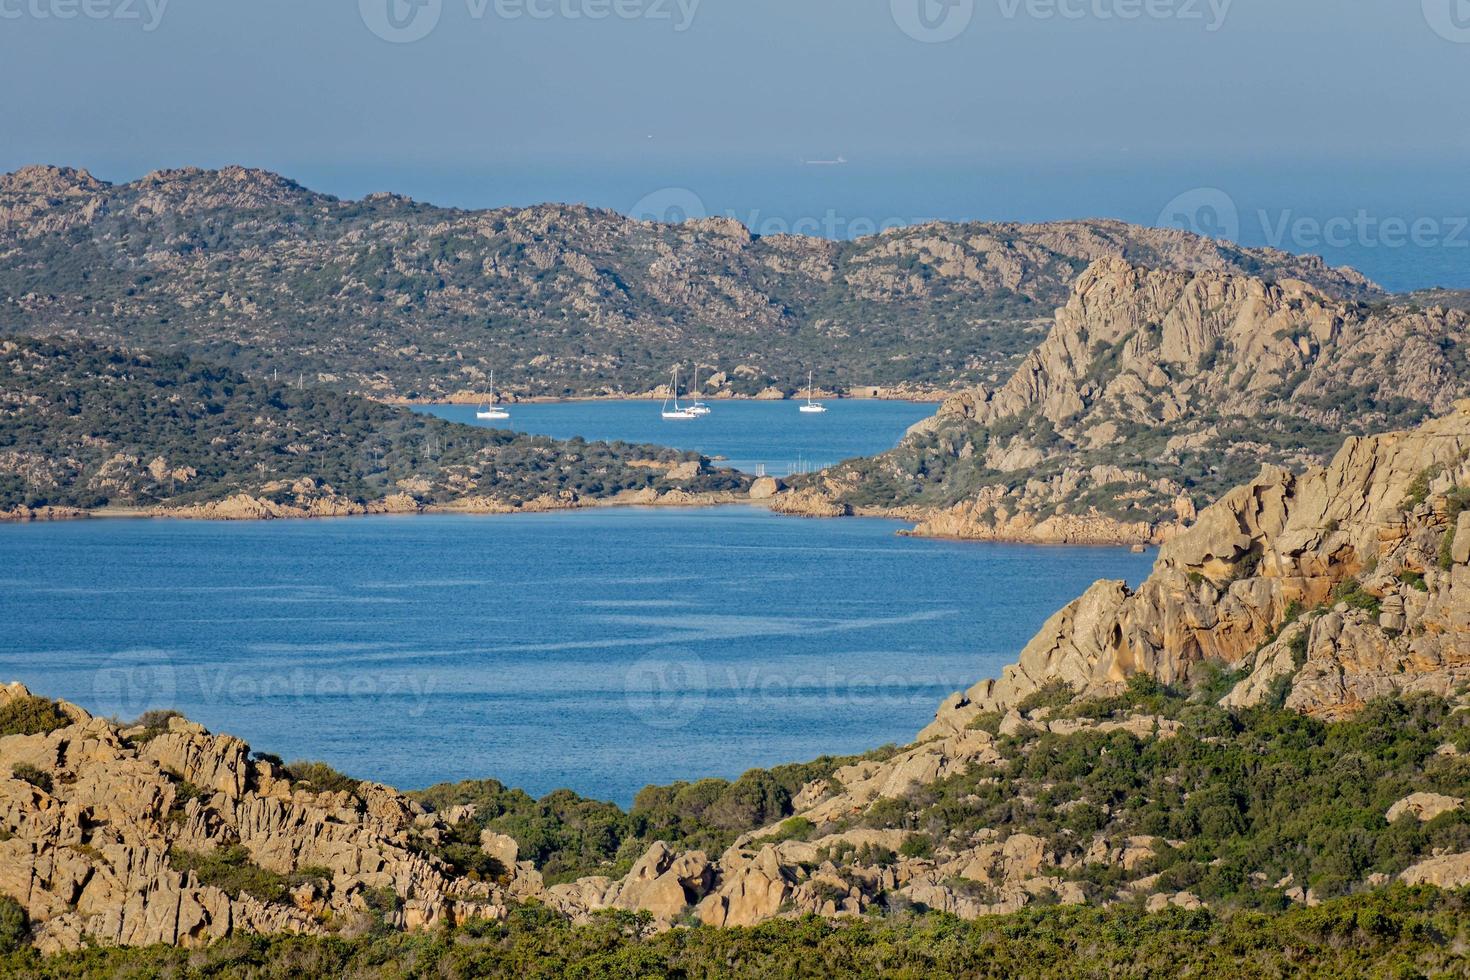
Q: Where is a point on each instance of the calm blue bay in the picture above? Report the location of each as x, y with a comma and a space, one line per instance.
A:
599, 650
747, 434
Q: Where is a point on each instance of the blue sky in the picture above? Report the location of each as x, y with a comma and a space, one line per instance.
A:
1033, 109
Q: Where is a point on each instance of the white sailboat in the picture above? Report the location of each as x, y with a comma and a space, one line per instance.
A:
490, 410
677, 412
699, 407
811, 407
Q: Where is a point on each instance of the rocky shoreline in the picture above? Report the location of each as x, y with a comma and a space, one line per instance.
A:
765, 492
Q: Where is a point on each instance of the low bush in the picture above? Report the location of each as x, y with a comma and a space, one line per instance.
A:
28, 773
31, 716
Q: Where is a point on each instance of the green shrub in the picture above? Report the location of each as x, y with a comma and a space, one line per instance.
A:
917, 846
1418, 490
31, 716
1350, 591
15, 929
231, 870
1053, 694
796, 828
321, 778
28, 773
987, 721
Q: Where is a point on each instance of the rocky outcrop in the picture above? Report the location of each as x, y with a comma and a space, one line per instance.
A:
1445, 871
93, 833
1423, 807
1342, 582
807, 503
1155, 391
765, 487
90, 840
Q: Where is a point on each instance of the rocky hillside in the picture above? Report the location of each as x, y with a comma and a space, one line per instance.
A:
1279, 716
1325, 589
1154, 392
85, 427
396, 299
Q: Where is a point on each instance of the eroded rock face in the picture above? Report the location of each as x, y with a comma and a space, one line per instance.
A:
90, 857
1282, 547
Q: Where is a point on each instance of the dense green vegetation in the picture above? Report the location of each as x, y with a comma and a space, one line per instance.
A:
87, 426
15, 932
1397, 933
1254, 802
568, 836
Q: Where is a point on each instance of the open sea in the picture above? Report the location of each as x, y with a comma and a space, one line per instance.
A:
600, 650
746, 435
